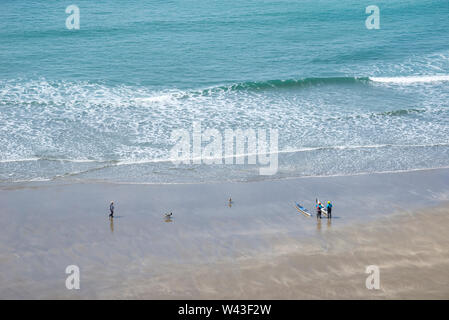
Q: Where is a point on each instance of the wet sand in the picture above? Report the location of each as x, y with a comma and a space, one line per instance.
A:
411, 251
260, 247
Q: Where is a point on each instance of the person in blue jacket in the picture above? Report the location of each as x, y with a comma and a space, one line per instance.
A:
329, 209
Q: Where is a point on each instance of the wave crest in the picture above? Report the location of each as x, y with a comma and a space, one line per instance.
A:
411, 79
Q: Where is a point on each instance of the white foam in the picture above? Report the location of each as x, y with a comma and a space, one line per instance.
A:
411, 79
124, 125
45, 159
18, 160
288, 150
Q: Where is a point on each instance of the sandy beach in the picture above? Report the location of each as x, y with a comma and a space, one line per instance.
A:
259, 248
410, 267
170, 108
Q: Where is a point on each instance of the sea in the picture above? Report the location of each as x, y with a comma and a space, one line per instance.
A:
100, 103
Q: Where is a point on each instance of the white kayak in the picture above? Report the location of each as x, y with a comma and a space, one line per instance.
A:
323, 210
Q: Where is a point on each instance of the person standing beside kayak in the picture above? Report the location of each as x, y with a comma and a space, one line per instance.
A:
329, 209
318, 210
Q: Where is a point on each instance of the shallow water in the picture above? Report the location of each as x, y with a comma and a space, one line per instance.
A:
48, 226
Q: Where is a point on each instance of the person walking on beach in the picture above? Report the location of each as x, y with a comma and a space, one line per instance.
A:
329, 209
318, 210
111, 208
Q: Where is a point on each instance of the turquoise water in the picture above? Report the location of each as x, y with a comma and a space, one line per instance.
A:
101, 102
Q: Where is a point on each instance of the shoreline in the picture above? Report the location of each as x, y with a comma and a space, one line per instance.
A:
138, 255
32, 183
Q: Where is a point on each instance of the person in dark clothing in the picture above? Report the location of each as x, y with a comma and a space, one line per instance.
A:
318, 210
329, 209
111, 208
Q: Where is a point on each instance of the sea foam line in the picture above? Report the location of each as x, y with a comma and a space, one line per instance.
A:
49, 159
410, 79
119, 162
307, 149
